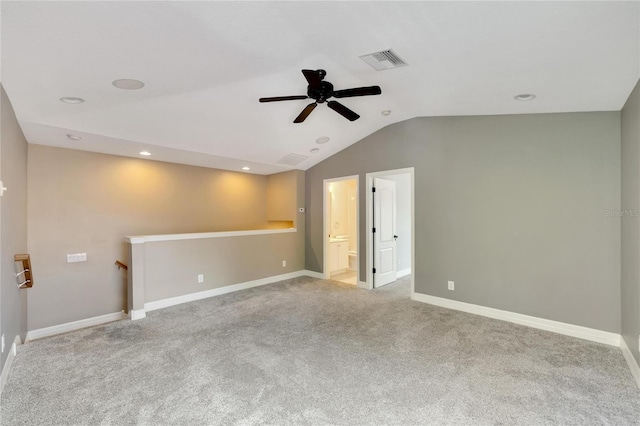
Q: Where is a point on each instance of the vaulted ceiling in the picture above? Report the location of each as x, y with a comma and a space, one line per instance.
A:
205, 64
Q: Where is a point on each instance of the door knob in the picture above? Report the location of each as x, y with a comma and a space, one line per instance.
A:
395, 237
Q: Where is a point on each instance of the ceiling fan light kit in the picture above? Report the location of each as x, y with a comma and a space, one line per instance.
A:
320, 91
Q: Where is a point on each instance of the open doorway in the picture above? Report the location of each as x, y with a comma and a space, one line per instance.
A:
390, 227
341, 230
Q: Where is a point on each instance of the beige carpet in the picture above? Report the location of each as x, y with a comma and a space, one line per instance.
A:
308, 351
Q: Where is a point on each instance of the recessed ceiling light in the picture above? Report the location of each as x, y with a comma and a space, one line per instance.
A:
246, 168
524, 97
128, 84
145, 153
323, 139
74, 137
386, 112
71, 100
314, 150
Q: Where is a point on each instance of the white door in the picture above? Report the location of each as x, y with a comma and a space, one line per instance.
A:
384, 237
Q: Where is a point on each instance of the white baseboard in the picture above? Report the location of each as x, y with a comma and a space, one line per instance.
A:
75, 325
631, 361
191, 297
7, 364
363, 284
137, 314
403, 273
314, 274
535, 322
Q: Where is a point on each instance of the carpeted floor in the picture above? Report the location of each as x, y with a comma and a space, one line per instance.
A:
308, 351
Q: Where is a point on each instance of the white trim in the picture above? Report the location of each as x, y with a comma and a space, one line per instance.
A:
369, 221
363, 284
403, 273
191, 297
137, 314
9, 362
535, 322
313, 274
75, 325
139, 239
631, 361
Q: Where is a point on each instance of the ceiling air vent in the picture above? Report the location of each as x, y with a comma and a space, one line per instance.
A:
383, 60
292, 159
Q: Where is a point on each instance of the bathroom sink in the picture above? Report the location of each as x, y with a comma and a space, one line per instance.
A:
338, 240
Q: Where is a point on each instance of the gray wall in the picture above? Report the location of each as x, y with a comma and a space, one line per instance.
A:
88, 202
630, 276
13, 172
171, 267
512, 208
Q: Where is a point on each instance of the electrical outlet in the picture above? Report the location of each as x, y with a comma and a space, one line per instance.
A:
200, 278
451, 285
3, 343
76, 257
284, 263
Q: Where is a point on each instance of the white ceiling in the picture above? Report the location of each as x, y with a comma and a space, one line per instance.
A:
205, 64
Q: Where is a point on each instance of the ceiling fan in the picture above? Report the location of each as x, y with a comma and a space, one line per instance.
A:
320, 91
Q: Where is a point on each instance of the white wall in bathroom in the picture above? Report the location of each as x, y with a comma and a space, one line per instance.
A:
352, 214
342, 202
339, 208
343, 210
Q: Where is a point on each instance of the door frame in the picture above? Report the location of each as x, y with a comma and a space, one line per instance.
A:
326, 226
369, 222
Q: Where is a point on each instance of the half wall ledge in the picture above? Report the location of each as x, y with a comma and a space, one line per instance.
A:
171, 266
138, 239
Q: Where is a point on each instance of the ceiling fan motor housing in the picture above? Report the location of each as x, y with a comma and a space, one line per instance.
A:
322, 92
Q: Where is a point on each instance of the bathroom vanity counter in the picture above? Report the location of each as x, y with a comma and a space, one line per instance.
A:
338, 254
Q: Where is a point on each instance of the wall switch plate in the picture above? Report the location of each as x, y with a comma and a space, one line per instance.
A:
450, 285
284, 263
3, 343
200, 278
76, 257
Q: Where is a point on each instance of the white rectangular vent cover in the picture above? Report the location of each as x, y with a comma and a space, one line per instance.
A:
383, 60
292, 159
